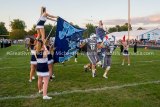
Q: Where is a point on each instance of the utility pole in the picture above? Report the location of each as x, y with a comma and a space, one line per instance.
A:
9, 26
129, 20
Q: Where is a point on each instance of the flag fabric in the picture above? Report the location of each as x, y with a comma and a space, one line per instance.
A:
100, 33
66, 41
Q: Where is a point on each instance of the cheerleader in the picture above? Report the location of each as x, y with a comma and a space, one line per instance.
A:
42, 69
50, 60
125, 53
40, 24
33, 61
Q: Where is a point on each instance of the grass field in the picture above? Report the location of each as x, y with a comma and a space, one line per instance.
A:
137, 85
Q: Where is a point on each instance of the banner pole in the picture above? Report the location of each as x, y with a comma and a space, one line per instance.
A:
51, 31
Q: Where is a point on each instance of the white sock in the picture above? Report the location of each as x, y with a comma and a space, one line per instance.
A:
105, 74
94, 71
85, 66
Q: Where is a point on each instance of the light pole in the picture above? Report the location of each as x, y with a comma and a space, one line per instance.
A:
129, 20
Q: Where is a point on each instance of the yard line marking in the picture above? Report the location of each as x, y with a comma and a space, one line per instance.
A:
14, 67
80, 91
82, 64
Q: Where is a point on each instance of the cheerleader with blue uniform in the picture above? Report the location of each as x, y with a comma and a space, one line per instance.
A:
40, 24
33, 61
42, 69
50, 60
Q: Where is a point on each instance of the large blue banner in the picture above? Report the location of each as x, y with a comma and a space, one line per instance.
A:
66, 41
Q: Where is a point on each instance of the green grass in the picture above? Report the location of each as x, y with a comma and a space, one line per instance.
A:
14, 75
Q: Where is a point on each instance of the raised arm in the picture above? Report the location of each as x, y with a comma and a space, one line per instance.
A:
83, 42
51, 16
51, 19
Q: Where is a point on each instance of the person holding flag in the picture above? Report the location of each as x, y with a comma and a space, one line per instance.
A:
100, 32
33, 62
40, 24
67, 41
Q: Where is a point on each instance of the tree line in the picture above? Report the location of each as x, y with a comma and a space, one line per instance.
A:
18, 29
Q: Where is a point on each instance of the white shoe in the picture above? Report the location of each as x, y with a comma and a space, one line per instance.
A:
53, 76
93, 75
30, 80
85, 68
105, 76
128, 64
122, 64
33, 78
46, 98
40, 91
99, 64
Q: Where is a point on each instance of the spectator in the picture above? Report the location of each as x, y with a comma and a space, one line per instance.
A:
135, 46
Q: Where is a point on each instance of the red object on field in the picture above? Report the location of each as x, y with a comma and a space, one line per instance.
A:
35, 35
106, 37
124, 38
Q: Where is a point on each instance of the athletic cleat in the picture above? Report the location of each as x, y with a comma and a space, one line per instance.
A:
122, 64
128, 64
75, 60
47, 98
33, 78
93, 75
85, 69
30, 80
63, 63
53, 76
105, 76
99, 64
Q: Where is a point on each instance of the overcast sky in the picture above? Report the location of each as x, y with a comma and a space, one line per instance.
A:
144, 13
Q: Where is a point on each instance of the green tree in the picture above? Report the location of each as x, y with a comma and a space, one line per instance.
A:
125, 27
76, 26
18, 29
3, 30
140, 28
90, 29
48, 28
32, 31
17, 34
113, 29
18, 24
118, 28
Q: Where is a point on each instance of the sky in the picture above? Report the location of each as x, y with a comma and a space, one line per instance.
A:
144, 13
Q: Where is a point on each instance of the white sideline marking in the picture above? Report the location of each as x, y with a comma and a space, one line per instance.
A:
79, 91
28, 66
81, 64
